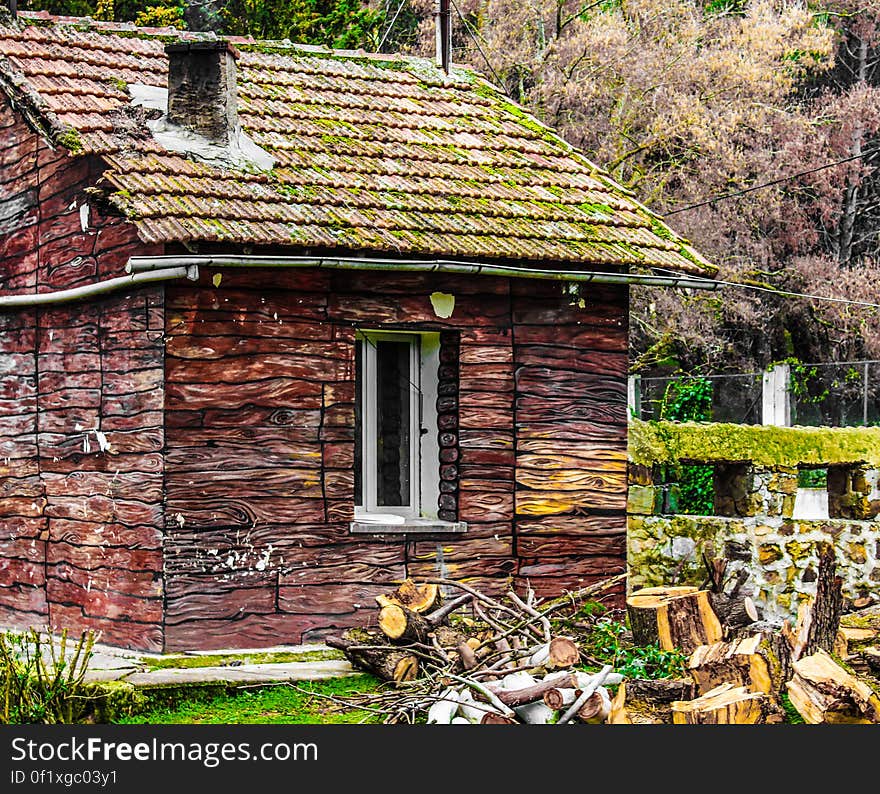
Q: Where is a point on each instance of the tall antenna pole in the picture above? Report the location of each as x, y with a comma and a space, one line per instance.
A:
443, 31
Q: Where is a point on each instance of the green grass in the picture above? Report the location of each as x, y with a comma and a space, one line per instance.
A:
283, 704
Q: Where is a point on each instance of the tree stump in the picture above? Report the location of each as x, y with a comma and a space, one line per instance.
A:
678, 618
646, 702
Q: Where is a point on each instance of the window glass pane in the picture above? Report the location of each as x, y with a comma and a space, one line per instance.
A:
393, 424
358, 422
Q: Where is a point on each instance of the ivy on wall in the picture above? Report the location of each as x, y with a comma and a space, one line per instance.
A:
690, 401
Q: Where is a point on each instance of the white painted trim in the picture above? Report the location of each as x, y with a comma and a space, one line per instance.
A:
369, 414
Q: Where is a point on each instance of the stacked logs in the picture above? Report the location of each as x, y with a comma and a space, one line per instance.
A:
474, 659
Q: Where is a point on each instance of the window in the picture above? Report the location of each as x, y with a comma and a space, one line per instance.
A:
397, 453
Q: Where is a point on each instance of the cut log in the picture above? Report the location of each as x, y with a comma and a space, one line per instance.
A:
415, 597
750, 662
725, 705
646, 702
559, 698
824, 692
859, 637
491, 718
596, 709
366, 653
778, 647
401, 624
563, 652
677, 618
532, 693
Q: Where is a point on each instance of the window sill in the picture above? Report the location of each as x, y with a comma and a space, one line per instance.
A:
380, 525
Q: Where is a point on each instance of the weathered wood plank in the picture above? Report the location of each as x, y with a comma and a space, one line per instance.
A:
544, 503
245, 484
124, 633
235, 512
271, 393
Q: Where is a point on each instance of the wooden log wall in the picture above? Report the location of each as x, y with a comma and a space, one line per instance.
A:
80, 528
260, 447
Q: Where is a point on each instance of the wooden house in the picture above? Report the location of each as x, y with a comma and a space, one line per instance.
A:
280, 326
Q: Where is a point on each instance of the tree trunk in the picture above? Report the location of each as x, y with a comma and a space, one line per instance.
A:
818, 619
823, 692
725, 705
678, 618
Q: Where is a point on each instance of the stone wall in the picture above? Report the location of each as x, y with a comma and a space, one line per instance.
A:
762, 519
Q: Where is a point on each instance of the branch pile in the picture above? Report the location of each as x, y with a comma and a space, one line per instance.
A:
475, 659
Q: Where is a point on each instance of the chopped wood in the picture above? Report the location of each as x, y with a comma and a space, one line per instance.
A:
581, 700
750, 662
726, 704
647, 702
676, 617
399, 623
824, 692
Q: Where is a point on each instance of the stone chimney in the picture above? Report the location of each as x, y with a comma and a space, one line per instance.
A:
202, 92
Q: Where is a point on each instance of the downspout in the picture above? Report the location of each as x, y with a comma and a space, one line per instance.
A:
145, 264
99, 288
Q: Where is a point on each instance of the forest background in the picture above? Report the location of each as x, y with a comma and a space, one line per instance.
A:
752, 126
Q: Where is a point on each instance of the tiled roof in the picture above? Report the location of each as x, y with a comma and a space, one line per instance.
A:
372, 152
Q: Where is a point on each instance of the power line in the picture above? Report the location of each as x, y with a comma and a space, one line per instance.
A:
742, 192
391, 24
473, 36
773, 291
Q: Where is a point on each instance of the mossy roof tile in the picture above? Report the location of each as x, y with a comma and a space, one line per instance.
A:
383, 153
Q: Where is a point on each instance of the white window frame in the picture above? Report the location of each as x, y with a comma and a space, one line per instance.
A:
421, 514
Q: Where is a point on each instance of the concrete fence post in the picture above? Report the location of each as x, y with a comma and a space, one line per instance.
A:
634, 396
776, 402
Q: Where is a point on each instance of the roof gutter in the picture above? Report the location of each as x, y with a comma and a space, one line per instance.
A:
145, 264
99, 288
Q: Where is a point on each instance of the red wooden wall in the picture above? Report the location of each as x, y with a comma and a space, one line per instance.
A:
259, 434
80, 529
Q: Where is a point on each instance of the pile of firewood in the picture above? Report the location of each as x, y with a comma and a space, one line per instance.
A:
476, 659
739, 667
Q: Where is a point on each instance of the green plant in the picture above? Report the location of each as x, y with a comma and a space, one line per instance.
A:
687, 400
607, 644
40, 682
